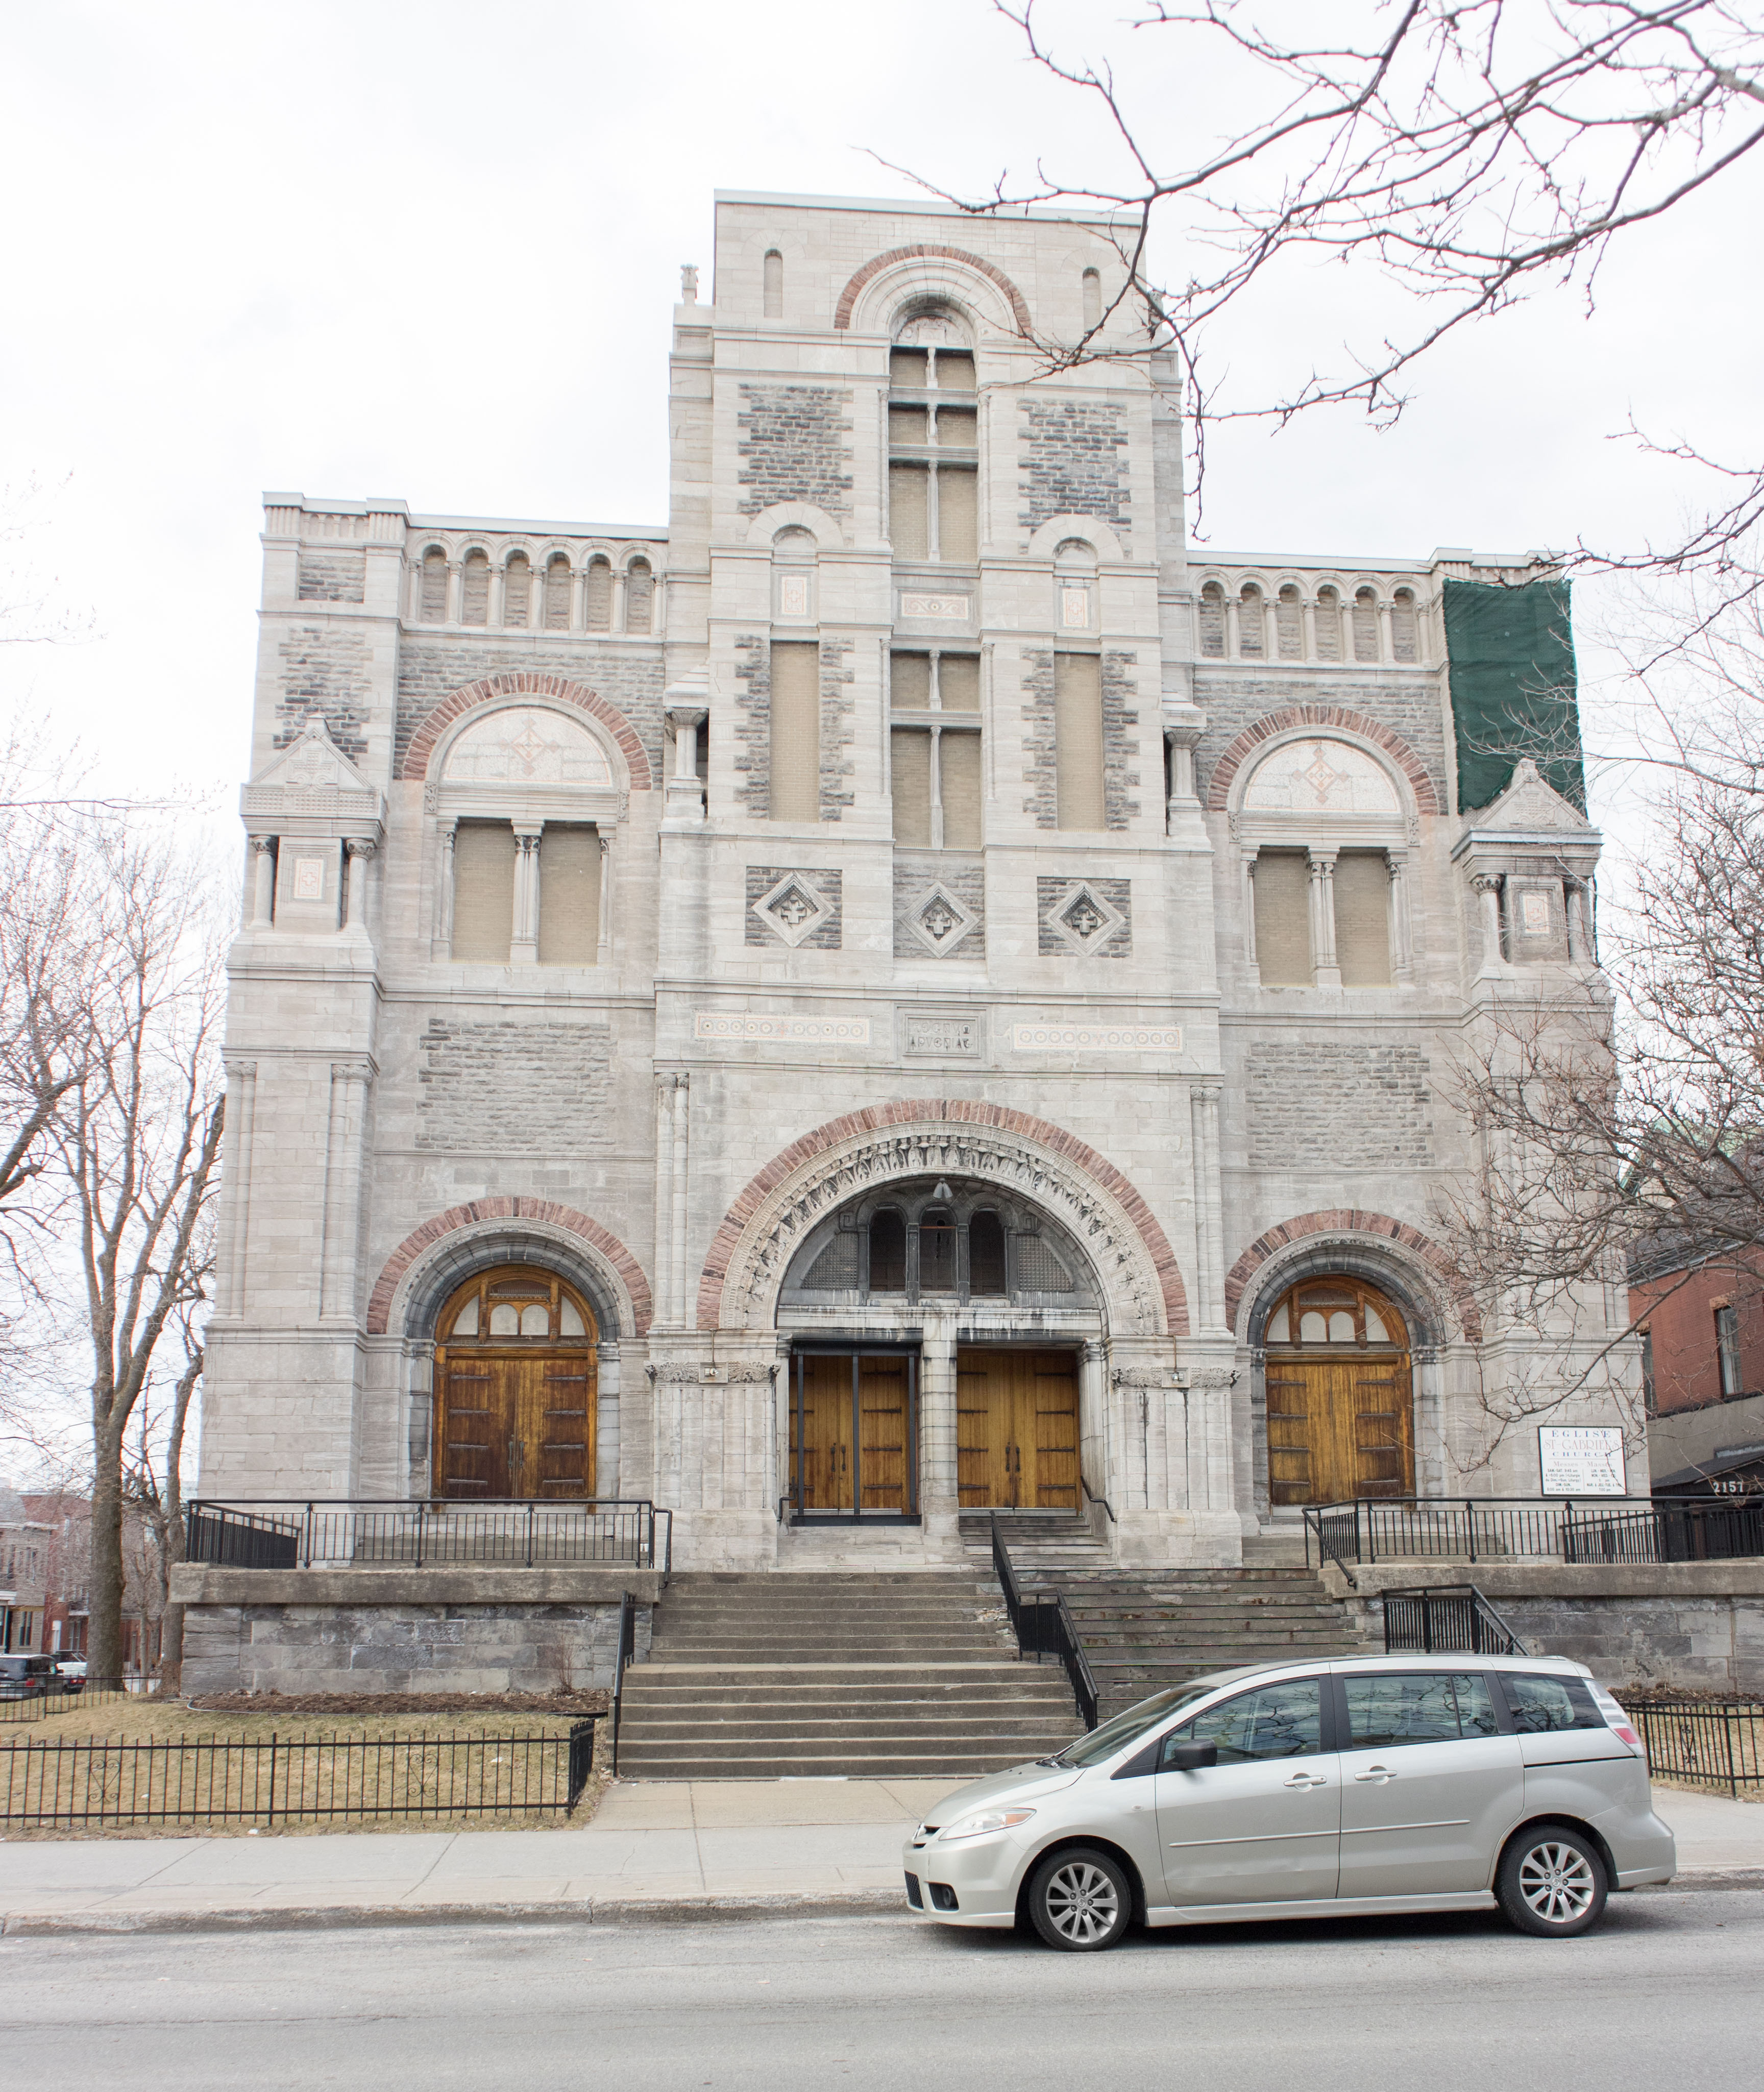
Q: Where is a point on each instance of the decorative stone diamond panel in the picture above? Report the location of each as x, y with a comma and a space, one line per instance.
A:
1084, 918
788, 906
940, 905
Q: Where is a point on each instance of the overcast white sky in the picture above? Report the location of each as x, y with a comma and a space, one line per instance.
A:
358, 247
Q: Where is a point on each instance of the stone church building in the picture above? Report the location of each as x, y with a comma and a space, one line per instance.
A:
907, 988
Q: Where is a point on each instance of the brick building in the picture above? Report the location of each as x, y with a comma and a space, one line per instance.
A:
908, 987
1702, 1328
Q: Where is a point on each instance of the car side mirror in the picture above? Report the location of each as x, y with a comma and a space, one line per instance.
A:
1189, 1757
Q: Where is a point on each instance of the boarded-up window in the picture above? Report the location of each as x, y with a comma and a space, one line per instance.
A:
434, 587
908, 425
570, 895
1283, 918
955, 370
1078, 744
1329, 625
909, 369
961, 755
1363, 918
888, 1253
1092, 300
910, 682
773, 273
600, 596
910, 758
483, 890
1250, 642
796, 731
1365, 625
986, 1255
1212, 622
958, 682
557, 594
517, 590
475, 590
639, 596
910, 511
958, 528
1404, 635
958, 429
1289, 624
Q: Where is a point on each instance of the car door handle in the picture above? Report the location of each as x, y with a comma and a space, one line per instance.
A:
1308, 1779
1375, 1773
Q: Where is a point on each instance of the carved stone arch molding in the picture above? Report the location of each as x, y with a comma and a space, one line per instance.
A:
897, 259
1386, 1251
444, 1252
1110, 1220
550, 690
1324, 719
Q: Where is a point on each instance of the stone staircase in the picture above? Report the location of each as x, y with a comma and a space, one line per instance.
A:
809, 1675
1051, 1542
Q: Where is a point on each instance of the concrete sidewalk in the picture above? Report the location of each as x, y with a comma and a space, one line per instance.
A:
663, 1851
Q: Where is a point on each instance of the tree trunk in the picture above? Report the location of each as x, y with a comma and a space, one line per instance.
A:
104, 1644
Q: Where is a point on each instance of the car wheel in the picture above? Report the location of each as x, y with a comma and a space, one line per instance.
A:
1552, 1881
1080, 1900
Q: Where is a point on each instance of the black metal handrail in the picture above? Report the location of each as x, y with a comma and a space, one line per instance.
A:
1676, 1529
1091, 1497
1446, 1618
425, 1532
1044, 1626
627, 1654
1372, 1529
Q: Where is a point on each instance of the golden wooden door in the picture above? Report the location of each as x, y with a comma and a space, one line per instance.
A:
884, 1433
1339, 1428
985, 1413
1017, 1429
821, 1432
1047, 1431
516, 1389
476, 1418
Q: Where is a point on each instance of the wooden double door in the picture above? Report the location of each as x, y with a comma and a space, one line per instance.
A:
854, 1433
1339, 1428
1017, 1429
514, 1390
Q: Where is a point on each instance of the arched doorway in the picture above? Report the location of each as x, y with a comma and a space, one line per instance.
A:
1341, 1412
515, 1388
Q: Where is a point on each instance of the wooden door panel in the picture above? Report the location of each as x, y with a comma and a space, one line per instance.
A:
884, 1434
560, 1429
477, 1420
985, 1414
821, 1442
1338, 1429
1291, 1425
1049, 1433
1384, 1461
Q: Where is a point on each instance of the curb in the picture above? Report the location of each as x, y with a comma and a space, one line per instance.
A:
679, 1910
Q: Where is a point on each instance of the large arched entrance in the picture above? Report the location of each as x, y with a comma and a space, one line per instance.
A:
515, 1388
1341, 1411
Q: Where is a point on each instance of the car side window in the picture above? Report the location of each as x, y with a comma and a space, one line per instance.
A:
1539, 1704
1389, 1708
1283, 1721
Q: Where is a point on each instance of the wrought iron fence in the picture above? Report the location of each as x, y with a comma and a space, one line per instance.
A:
1445, 1529
289, 1780
419, 1533
69, 1698
1704, 1743
1678, 1529
1044, 1626
1449, 1618
627, 1655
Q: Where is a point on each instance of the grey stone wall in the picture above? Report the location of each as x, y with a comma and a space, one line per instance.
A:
403, 1647
1407, 704
516, 1086
1319, 1103
793, 447
753, 724
325, 671
1120, 740
1072, 460
1040, 769
838, 724
332, 576
630, 678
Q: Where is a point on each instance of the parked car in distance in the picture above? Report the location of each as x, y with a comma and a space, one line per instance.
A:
69, 1673
27, 1677
1355, 1787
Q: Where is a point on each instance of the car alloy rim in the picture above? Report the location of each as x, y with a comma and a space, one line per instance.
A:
1082, 1903
1556, 1881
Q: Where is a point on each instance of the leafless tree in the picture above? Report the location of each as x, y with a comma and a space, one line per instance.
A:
152, 1490
1472, 153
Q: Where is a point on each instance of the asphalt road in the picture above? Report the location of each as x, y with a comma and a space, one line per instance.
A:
1669, 1992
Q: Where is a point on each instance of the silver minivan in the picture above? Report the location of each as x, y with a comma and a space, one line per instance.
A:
1362, 1785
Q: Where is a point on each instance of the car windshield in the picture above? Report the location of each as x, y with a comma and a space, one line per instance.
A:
1113, 1736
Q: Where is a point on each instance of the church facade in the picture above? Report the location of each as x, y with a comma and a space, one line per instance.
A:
907, 989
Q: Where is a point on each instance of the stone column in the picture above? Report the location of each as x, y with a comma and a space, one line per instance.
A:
456, 591
578, 599
938, 1496
604, 941
1401, 956
1325, 972
1233, 628
1209, 1212
1386, 644
349, 1081
235, 1184
664, 1167
441, 942
1488, 890
1309, 642
677, 1191
262, 882
1098, 1469
1248, 903
358, 852
524, 942
1580, 942
686, 794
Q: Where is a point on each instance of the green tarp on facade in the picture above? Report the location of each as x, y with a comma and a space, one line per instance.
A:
1511, 652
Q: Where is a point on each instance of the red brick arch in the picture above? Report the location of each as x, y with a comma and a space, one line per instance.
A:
526, 684
1324, 718
848, 297
1349, 1220
455, 1217
917, 1111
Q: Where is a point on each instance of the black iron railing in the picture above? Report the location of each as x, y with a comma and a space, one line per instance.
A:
1449, 1619
1044, 1626
290, 1779
420, 1533
70, 1697
1703, 1743
1444, 1529
627, 1655
1676, 1529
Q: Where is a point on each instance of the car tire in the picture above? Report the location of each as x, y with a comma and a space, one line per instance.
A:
1080, 1900
1552, 1881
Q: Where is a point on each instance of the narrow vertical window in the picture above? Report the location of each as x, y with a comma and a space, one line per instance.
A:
1283, 918
557, 593
600, 595
910, 510
1077, 741
516, 589
639, 596
1092, 299
888, 1253
986, 1255
774, 284
909, 762
435, 586
1251, 641
569, 895
1365, 625
1212, 622
1329, 625
1362, 884
796, 731
475, 590
1289, 624
1405, 636
960, 759
958, 514
483, 890
1650, 1399
1728, 1347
